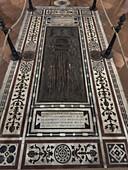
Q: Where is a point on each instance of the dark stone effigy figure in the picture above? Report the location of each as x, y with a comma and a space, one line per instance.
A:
62, 76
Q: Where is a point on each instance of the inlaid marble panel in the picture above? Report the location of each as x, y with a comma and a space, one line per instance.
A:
57, 154
62, 76
62, 123
61, 107
9, 154
116, 153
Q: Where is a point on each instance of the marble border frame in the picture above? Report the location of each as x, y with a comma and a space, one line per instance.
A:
94, 133
85, 81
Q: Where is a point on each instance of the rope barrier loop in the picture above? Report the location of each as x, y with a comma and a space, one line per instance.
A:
113, 28
10, 29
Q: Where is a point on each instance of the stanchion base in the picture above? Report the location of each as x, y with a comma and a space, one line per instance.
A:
14, 58
106, 56
93, 9
31, 10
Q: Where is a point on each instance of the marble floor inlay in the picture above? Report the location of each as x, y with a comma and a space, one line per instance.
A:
62, 75
60, 107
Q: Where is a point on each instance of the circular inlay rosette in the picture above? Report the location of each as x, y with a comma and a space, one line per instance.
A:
62, 3
96, 55
28, 55
62, 153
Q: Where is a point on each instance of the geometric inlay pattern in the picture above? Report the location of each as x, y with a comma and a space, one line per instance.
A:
9, 154
116, 152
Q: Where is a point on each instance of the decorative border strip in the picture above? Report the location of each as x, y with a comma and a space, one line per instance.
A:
109, 113
70, 12
12, 123
111, 71
62, 153
13, 65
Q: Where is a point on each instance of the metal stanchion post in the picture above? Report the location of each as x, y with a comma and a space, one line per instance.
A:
15, 55
93, 7
31, 8
97, 55
107, 52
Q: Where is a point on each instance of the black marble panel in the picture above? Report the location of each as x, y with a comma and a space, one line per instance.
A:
62, 76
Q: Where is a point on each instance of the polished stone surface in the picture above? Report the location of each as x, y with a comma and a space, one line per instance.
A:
62, 133
66, 134
62, 77
10, 11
